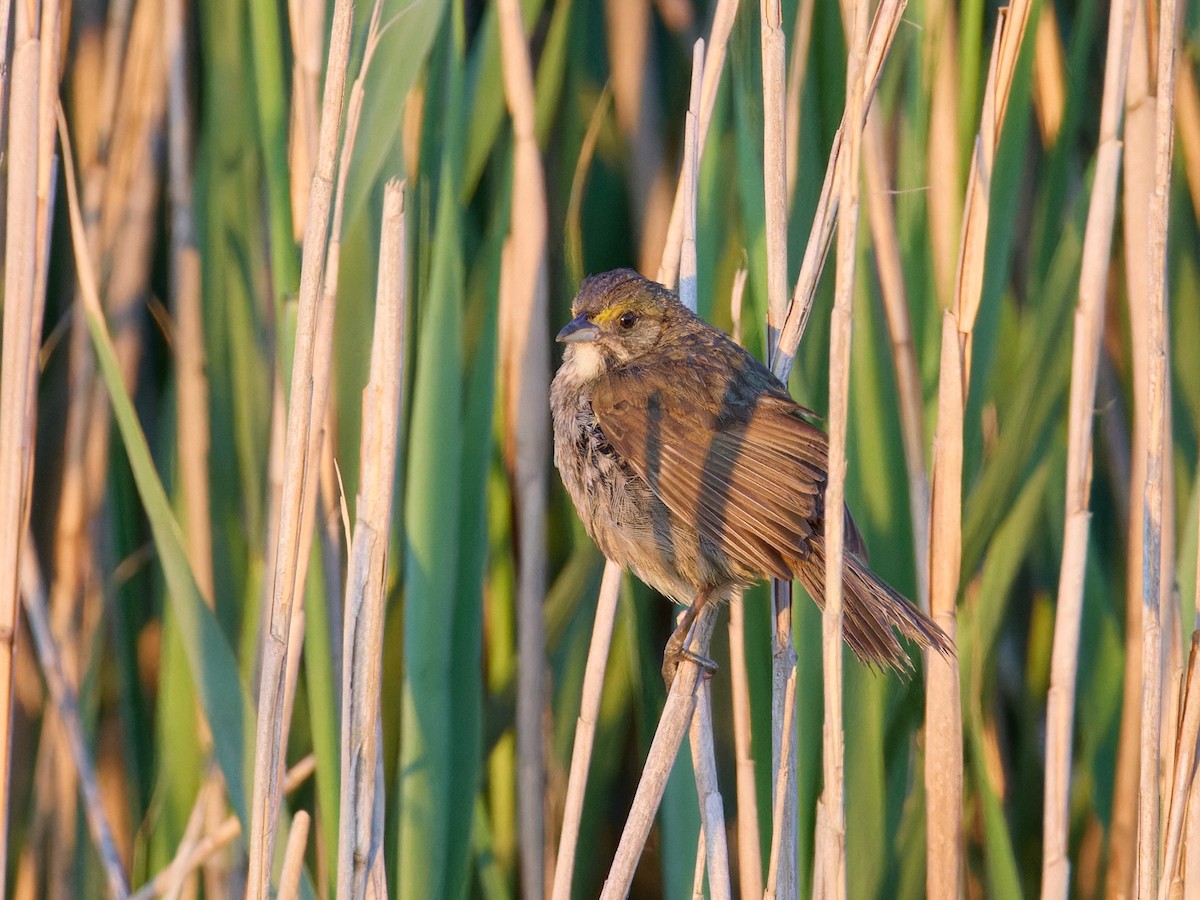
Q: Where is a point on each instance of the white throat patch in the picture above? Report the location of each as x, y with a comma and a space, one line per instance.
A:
586, 361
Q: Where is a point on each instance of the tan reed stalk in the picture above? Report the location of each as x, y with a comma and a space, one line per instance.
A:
749, 854
776, 193
714, 63
1137, 178
801, 38
1010, 34
882, 219
306, 24
832, 859
366, 580
1182, 775
879, 42
701, 860
1049, 76
1152, 509
676, 715
305, 415
944, 145
65, 699
525, 382
585, 730
293, 857
712, 807
691, 168
943, 712
782, 789
18, 367
1089, 323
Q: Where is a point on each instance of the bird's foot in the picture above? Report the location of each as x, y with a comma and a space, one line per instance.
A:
677, 653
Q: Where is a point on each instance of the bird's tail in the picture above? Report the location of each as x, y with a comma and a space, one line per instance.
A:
872, 609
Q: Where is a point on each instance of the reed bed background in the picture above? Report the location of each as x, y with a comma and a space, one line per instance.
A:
296, 602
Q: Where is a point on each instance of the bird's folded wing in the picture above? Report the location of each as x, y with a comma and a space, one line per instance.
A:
751, 477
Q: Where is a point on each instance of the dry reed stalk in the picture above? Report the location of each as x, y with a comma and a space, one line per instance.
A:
749, 854
18, 368
714, 63
293, 857
676, 715
944, 169
1049, 76
776, 194
1085, 362
585, 730
831, 860
1182, 774
525, 383
688, 288
879, 42
1137, 178
635, 92
1187, 124
801, 38
362, 634
63, 695
782, 790
1153, 503
774, 165
306, 25
882, 219
712, 807
305, 415
943, 711
968, 289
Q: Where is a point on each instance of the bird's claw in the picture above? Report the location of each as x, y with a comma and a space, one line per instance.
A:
675, 654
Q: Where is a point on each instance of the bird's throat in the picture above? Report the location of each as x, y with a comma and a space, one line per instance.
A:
586, 362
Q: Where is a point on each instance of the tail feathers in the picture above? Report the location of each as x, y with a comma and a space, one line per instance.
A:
872, 609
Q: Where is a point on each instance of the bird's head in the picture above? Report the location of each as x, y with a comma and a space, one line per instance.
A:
618, 316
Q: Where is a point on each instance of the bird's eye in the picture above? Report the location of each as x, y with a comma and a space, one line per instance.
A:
626, 321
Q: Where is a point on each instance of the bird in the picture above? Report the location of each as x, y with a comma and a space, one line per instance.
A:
689, 463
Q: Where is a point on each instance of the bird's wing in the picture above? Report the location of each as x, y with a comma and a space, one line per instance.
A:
752, 477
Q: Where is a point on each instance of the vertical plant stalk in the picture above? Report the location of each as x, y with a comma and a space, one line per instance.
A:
1006, 48
882, 219
525, 383
1137, 178
943, 712
783, 788
714, 63
293, 857
1152, 508
712, 808
366, 580
306, 24
775, 188
943, 704
879, 42
18, 368
832, 859
305, 416
65, 699
676, 714
944, 168
1085, 360
688, 290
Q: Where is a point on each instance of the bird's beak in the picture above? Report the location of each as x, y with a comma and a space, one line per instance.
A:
578, 330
